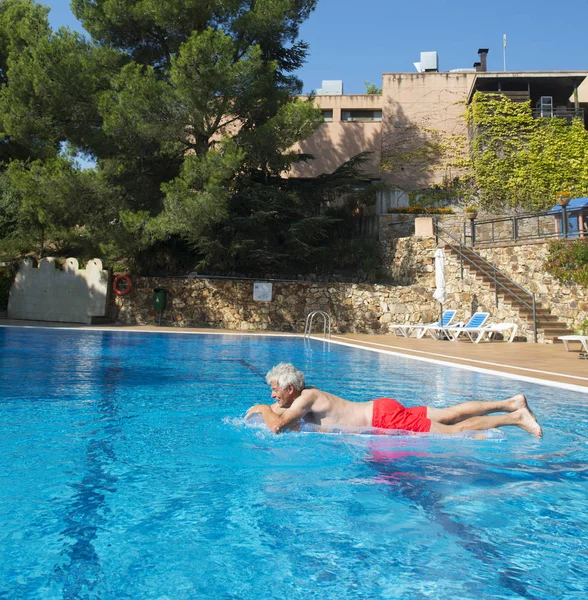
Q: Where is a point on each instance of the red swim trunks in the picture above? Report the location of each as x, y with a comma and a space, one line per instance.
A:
390, 414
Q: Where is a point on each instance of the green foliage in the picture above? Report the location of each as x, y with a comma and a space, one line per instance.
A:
289, 229
22, 24
9, 207
267, 145
448, 192
568, 261
6, 279
52, 205
198, 197
372, 88
188, 108
521, 161
515, 160
424, 152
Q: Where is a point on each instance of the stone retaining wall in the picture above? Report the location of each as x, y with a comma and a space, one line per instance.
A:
361, 308
227, 303
354, 307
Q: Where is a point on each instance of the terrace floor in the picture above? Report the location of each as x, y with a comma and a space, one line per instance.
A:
547, 362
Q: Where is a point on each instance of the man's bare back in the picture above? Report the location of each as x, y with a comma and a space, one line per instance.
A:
327, 409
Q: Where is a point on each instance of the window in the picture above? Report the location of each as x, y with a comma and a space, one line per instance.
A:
361, 115
327, 115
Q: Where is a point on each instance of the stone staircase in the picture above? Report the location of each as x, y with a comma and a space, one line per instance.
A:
549, 327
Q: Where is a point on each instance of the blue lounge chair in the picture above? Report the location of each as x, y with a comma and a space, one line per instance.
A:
406, 330
471, 329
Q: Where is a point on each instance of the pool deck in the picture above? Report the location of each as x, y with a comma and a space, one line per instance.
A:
543, 362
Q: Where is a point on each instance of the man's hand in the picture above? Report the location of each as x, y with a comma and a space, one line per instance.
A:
277, 418
272, 420
256, 409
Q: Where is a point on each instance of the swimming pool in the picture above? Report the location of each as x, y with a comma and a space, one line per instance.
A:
126, 473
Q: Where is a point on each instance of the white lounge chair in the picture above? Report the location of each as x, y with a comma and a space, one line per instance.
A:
566, 339
472, 328
489, 331
406, 330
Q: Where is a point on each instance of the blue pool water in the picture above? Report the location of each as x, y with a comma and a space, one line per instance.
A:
126, 472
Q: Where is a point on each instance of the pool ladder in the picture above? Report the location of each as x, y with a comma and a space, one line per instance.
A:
326, 323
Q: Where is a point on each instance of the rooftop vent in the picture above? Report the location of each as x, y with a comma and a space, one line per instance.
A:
331, 87
483, 52
429, 63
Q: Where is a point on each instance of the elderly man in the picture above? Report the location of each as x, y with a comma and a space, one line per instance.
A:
296, 401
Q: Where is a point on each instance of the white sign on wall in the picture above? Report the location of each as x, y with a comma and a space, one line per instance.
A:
262, 291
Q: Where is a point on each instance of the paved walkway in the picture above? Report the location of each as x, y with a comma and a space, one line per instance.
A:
545, 362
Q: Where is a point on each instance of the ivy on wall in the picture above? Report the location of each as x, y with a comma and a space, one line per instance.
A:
507, 159
416, 154
520, 161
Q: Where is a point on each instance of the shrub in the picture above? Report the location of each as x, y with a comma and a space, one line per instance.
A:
568, 260
6, 279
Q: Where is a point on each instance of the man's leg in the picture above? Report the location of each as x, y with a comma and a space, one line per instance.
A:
522, 418
466, 410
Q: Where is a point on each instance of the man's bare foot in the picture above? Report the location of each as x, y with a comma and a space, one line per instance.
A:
517, 402
520, 401
528, 422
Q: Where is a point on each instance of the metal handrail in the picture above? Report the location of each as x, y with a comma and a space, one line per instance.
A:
563, 112
326, 323
490, 271
516, 221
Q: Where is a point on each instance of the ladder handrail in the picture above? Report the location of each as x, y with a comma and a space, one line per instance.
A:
326, 322
490, 271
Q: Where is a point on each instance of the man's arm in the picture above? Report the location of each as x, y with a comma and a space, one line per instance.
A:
279, 422
277, 408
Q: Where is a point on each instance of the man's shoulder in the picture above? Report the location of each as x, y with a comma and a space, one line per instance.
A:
310, 392
308, 396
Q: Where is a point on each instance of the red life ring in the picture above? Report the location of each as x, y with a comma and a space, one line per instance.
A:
128, 285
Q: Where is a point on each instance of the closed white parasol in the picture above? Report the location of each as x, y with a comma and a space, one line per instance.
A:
440, 293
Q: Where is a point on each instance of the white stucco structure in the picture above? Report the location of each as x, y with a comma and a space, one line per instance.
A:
47, 293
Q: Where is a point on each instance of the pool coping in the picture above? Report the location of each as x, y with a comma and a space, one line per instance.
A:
495, 358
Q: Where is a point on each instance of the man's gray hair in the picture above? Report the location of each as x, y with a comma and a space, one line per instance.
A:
286, 374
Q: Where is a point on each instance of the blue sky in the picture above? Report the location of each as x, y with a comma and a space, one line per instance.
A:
357, 41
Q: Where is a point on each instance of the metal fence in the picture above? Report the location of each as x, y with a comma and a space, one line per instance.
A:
530, 226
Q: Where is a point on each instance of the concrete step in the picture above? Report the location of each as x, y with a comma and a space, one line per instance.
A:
526, 312
554, 338
547, 324
556, 330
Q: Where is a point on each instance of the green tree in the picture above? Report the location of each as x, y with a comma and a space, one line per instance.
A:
37, 212
22, 24
189, 110
372, 88
203, 109
294, 227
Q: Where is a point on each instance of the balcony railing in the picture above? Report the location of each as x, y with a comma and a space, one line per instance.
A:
561, 112
532, 226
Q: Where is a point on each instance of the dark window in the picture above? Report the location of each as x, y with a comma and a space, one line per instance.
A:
361, 115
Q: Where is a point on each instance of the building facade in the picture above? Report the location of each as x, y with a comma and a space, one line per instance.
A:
416, 129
